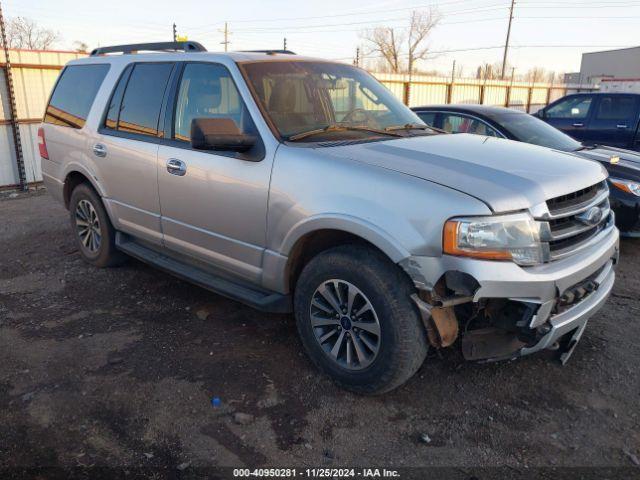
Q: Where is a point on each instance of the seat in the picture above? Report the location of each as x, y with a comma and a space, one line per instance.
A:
282, 106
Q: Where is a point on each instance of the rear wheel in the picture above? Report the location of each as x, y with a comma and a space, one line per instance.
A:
95, 236
357, 321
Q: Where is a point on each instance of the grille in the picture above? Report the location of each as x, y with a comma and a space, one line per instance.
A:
573, 220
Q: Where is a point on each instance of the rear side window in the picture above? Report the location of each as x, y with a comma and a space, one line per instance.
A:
74, 94
142, 99
616, 108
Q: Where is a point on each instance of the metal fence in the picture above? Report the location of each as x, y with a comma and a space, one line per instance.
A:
35, 72
427, 90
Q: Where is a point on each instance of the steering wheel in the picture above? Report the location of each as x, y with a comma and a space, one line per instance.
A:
366, 117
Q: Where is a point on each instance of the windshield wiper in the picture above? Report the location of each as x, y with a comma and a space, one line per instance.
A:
336, 127
413, 126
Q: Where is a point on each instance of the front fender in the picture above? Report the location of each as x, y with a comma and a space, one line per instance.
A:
349, 224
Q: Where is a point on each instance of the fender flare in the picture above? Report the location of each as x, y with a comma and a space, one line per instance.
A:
349, 224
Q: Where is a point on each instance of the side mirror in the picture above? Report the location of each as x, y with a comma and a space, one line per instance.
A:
539, 113
219, 134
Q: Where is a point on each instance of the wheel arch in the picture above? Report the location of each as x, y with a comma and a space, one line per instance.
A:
319, 235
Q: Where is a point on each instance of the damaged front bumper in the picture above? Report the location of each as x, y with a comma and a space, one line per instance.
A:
564, 293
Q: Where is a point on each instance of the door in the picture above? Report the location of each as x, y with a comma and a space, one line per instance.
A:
571, 115
126, 149
614, 120
214, 203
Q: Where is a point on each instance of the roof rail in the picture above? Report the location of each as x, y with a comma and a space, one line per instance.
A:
158, 46
270, 52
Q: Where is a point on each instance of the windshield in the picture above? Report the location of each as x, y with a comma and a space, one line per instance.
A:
532, 130
302, 96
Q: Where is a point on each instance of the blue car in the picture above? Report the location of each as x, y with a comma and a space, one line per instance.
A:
623, 165
597, 118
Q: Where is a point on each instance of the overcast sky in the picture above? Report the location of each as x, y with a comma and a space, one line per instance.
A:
550, 34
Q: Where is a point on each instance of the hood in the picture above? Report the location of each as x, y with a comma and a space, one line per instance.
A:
504, 174
628, 166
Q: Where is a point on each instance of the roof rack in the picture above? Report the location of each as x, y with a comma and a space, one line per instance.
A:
270, 52
158, 47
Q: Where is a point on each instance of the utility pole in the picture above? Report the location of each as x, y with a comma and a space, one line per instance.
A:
284, 43
356, 62
175, 33
506, 43
453, 71
226, 36
17, 142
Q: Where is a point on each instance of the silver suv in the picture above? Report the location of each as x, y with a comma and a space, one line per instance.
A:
300, 185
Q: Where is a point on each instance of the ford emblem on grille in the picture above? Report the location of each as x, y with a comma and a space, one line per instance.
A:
591, 216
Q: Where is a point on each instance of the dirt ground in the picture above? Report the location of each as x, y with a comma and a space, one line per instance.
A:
118, 367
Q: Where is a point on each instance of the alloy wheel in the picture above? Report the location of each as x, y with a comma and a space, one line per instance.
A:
345, 324
88, 226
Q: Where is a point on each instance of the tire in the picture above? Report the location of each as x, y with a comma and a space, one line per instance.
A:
92, 229
401, 344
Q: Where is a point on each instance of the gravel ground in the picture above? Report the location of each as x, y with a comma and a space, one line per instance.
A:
118, 367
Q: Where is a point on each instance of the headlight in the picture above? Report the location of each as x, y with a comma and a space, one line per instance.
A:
507, 237
626, 186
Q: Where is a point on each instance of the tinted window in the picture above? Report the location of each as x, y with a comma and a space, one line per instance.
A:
576, 108
74, 94
208, 91
113, 112
143, 98
616, 108
427, 117
453, 123
528, 129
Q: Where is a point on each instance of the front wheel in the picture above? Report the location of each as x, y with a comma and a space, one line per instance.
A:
357, 321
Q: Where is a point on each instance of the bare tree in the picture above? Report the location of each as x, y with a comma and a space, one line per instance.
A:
25, 33
421, 25
386, 42
80, 46
539, 74
394, 44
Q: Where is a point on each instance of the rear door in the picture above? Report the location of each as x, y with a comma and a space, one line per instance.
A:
571, 115
614, 120
126, 148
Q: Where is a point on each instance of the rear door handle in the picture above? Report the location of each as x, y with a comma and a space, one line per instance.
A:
99, 150
622, 126
176, 167
578, 124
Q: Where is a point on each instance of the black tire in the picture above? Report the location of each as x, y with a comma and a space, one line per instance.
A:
106, 254
403, 342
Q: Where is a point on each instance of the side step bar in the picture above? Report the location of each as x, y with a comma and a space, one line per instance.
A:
259, 299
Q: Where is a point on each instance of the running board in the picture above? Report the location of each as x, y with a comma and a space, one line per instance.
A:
259, 299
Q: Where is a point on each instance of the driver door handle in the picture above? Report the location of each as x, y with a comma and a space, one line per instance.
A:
176, 167
578, 124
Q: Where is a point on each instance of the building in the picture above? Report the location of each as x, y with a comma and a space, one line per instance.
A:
613, 64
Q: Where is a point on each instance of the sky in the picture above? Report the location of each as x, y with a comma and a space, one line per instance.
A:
549, 34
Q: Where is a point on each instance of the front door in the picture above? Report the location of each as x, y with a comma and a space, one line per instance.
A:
214, 203
571, 115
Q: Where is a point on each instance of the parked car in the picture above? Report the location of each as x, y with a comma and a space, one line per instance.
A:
296, 184
597, 118
623, 165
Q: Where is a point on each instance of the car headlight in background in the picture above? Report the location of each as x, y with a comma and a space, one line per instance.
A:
506, 237
628, 186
